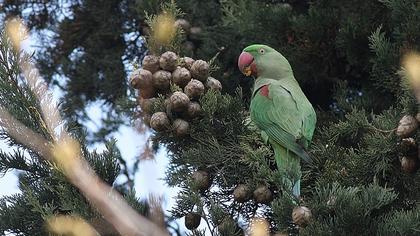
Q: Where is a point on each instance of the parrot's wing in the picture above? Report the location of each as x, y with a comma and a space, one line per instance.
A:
289, 142
309, 123
305, 109
276, 112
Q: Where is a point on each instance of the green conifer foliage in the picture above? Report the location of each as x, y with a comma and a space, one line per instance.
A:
349, 64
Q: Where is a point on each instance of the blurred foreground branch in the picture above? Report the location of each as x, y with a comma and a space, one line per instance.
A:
64, 152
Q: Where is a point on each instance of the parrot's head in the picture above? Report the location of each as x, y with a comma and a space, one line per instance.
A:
261, 60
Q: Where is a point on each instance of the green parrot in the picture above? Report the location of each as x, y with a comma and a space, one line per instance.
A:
279, 108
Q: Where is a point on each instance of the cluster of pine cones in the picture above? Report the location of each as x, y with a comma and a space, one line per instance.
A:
407, 128
181, 81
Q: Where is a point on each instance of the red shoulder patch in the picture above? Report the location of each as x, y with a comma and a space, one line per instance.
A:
264, 91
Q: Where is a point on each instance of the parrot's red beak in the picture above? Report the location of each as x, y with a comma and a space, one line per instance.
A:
246, 64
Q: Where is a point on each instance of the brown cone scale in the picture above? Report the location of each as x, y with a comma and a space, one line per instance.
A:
141, 79
407, 126
200, 70
263, 195
201, 180
181, 76
193, 110
159, 121
409, 164
146, 104
187, 62
214, 84
168, 61
241, 193
183, 24
151, 63
162, 80
194, 89
179, 102
181, 127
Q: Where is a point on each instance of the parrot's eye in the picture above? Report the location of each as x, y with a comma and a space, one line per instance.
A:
262, 51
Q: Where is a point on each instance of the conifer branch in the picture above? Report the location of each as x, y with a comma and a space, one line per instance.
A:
64, 154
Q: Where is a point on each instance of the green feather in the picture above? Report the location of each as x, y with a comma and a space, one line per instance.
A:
285, 116
279, 117
287, 160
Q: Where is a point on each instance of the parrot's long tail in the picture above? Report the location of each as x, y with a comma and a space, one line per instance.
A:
288, 163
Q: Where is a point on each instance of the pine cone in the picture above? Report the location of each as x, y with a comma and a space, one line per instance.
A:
162, 80
179, 101
263, 195
147, 93
187, 62
408, 146
141, 79
241, 193
407, 126
181, 76
200, 70
409, 164
213, 83
134, 80
151, 63
301, 215
195, 32
229, 227
181, 127
194, 89
192, 220
146, 105
159, 121
168, 61
183, 24
193, 110
201, 180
